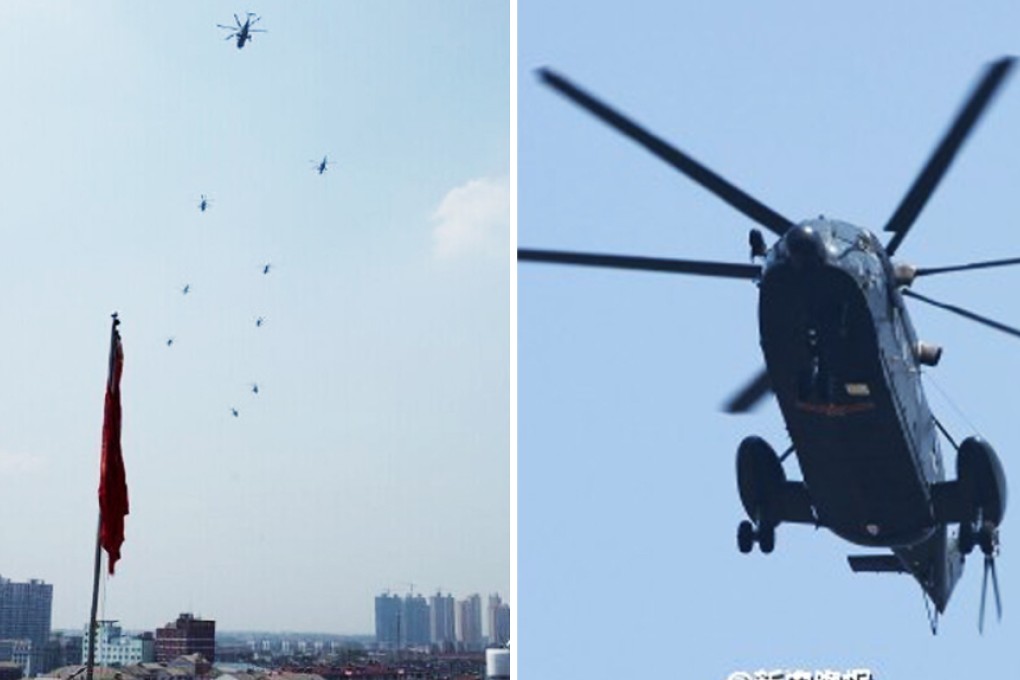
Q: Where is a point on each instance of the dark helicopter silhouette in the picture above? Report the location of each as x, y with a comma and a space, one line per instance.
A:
186, 289
259, 321
321, 166
234, 412
243, 32
844, 362
204, 202
266, 267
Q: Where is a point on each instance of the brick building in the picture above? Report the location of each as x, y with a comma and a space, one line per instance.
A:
186, 635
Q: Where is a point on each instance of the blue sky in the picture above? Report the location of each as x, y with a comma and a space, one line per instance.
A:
376, 452
628, 505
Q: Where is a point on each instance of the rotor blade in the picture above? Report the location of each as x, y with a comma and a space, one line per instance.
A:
229, 28
963, 312
237, 20
744, 400
942, 158
925, 271
984, 591
743, 202
650, 264
995, 589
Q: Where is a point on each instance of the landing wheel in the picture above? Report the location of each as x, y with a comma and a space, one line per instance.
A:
767, 539
966, 538
988, 540
764, 535
745, 536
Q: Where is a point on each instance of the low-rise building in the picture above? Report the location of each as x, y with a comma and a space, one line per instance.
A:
186, 635
113, 648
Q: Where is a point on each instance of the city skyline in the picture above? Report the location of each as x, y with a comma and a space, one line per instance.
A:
162, 173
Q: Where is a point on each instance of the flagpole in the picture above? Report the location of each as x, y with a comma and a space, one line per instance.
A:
90, 663
112, 387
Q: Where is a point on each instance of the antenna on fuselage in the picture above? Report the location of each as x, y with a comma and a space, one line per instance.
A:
933, 616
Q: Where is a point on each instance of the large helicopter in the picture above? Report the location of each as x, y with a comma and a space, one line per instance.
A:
844, 362
243, 32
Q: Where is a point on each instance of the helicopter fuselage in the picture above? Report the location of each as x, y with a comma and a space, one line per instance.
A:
843, 361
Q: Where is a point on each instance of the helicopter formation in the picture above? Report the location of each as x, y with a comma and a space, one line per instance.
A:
242, 31
844, 362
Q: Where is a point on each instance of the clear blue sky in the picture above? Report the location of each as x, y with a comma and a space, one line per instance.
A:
376, 452
628, 505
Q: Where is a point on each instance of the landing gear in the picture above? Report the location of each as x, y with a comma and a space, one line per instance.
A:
966, 539
980, 488
748, 535
745, 536
979, 533
767, 538
760, 480
988, 539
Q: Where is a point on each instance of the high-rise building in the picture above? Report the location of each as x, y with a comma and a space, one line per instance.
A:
186, 635
499, 624
498, 620
25, 610
469, 623
441, 619
388, 611
113, 648
415, 621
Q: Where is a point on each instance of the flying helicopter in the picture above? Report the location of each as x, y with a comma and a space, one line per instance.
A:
203, 203
243, 32
321, 166
844, 363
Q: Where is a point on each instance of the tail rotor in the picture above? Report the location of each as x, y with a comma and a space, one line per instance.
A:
990, 547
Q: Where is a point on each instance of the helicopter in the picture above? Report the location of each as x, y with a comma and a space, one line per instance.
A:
844, 362
321, 166
243, 32
203, 203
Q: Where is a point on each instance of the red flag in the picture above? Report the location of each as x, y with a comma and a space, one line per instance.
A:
113, 496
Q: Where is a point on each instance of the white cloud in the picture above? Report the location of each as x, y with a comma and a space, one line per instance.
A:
12, 464
473, 219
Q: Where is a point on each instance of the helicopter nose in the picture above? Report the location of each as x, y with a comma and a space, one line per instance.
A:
805, 246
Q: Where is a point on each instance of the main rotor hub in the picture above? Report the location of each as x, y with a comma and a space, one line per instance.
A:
805, 246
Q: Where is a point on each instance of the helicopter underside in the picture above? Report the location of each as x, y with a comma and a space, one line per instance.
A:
829, 370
